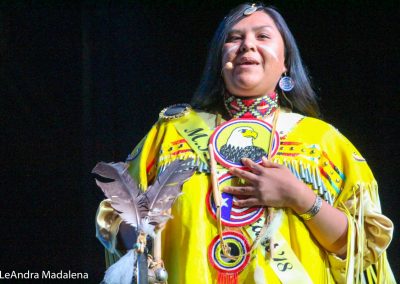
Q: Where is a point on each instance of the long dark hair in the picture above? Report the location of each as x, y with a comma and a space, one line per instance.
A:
209, 94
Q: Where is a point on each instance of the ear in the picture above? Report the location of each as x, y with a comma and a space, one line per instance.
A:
284, 69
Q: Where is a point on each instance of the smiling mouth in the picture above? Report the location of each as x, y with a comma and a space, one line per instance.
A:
247, 61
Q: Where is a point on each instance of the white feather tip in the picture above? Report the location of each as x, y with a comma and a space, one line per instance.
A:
147, 228
122, 271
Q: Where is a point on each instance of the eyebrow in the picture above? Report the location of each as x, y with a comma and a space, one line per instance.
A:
254, 28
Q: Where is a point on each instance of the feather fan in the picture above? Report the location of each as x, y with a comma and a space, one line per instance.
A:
122, 191
167, 187
135, 207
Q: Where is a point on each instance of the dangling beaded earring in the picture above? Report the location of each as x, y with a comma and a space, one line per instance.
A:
286, 83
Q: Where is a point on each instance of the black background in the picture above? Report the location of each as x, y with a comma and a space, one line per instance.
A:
83, 82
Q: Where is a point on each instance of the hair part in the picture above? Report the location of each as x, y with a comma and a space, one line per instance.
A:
209, 94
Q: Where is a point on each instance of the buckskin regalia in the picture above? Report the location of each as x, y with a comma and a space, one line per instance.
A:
315, 152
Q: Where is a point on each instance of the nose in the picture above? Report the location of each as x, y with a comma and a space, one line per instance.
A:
247, 45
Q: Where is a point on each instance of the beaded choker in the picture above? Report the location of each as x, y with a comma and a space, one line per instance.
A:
260, 108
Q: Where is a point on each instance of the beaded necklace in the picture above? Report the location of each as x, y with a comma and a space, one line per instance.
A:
239, 107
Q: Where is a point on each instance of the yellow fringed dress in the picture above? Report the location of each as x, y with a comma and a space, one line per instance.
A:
317, 154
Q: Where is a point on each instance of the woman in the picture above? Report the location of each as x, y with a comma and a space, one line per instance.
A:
254, 110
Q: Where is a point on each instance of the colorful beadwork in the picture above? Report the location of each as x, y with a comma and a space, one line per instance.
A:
312, 166
242, 138
239, 247
232, 215
251, 108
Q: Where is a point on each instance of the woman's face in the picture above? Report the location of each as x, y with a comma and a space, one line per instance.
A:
256, 50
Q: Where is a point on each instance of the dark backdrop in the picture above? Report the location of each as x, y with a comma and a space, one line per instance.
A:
83, 82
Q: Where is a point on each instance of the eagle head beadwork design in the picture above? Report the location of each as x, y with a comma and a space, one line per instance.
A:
243, 138
240, 145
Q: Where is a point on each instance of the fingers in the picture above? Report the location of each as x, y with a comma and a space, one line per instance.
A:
239, 190
247, 202
268, 164
254, 170
254, 167
249, 176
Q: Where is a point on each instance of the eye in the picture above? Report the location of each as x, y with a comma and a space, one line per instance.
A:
264, 36
243, 130
233, 38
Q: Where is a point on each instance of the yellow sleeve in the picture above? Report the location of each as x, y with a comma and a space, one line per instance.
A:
373, 238
369, 231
